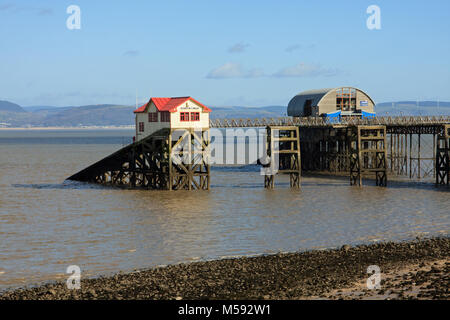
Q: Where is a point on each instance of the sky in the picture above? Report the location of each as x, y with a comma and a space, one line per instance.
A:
246, 53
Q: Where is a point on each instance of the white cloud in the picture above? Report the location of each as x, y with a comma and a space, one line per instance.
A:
41, 11
238, 47
306, 70
233, 70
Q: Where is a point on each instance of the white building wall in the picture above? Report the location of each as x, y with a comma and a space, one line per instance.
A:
189, 106
367, 106
328, 102
151, 127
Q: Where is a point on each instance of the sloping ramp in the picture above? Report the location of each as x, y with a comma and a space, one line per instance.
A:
122, 167
150, 163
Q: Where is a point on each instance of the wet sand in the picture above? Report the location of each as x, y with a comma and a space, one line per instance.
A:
409, 270
426, 280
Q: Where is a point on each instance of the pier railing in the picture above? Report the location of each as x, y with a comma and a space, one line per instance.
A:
329, 122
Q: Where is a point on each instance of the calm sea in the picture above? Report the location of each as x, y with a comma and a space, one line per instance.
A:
47, 223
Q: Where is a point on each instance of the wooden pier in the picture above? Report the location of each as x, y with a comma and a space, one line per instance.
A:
169, 159
375, 147
283, 149
443, 157
326, 145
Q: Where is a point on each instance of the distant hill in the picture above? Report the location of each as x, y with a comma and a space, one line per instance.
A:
72, 116
396, 108
248, 112
10, 107
13, 115
413, 108
93, 115
114, 115
39, 108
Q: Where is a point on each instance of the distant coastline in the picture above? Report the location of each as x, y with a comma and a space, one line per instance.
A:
131, 127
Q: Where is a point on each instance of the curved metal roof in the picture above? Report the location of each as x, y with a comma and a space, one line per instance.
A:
295, 106
316, 91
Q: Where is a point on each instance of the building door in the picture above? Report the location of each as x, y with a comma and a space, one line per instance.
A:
307, 108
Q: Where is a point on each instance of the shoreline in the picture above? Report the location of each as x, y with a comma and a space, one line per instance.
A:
417, 269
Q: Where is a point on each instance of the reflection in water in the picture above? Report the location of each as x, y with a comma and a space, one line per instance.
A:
47, 223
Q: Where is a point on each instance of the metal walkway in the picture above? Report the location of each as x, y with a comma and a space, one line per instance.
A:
311, 122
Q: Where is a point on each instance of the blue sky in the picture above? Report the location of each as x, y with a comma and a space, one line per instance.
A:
252, 53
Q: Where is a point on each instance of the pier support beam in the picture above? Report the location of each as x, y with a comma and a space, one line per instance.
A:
189, 165
325, 149
283, 149
368, 154
442, 166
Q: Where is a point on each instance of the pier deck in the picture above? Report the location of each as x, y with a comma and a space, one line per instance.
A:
359, 147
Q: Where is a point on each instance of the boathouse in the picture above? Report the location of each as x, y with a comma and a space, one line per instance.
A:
173, 113
332, 103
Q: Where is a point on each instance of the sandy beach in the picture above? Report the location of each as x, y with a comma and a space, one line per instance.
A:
417, 269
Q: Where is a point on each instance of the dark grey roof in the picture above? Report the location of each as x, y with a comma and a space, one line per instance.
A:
295, 106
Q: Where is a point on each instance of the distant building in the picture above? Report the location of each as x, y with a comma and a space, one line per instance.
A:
178, 112
333, 102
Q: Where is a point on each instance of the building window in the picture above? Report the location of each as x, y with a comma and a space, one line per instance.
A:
153, 117
165, 116
141, 127
184, 116
195, 116
346, 99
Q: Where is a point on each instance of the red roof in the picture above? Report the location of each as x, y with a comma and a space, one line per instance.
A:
169, 104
